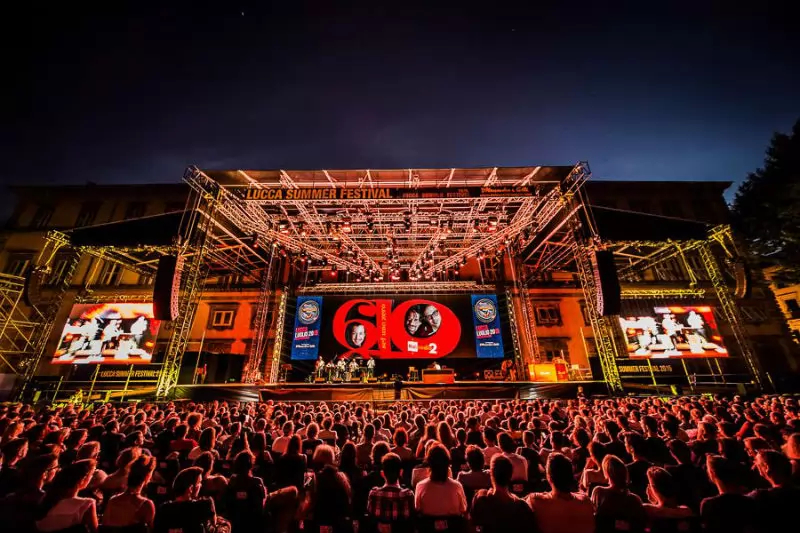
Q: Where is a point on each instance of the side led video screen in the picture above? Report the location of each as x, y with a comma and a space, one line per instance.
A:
674, 332
121, 333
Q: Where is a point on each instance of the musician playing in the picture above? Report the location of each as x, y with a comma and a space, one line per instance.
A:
341, 369
353, 369
330, 369
319, 367
371, 368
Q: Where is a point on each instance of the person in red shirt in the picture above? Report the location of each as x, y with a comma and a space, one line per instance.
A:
181, 443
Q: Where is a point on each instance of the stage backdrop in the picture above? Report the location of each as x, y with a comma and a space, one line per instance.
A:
399, 331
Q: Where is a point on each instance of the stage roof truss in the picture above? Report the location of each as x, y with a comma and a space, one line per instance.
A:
385, 233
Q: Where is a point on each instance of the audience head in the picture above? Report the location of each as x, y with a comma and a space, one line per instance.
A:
615, 471
187, 483
391, 465
438, 460
559, 472
475, 458
501, 471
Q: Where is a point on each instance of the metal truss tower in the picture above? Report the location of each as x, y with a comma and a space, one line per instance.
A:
275, 361
254, 366
192, 280
730, 310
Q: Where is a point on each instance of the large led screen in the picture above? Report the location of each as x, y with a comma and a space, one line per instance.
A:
122, 333
674, 332
397, 327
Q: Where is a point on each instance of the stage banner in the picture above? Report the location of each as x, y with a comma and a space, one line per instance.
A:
486, 319
305, 339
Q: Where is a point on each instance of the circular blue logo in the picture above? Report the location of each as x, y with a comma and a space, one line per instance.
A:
308, 312
485, 310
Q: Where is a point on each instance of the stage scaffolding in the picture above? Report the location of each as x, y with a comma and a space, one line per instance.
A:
541, 220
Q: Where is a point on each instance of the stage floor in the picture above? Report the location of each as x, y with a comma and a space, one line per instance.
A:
386, 392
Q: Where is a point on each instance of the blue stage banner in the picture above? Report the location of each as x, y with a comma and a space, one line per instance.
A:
307, 319
486, 319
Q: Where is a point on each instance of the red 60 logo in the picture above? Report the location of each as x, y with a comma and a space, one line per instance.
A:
415, 329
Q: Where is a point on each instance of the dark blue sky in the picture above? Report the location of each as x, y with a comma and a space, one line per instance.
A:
135, 95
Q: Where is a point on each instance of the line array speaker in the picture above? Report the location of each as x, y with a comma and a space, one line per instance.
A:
609, 292
166, 289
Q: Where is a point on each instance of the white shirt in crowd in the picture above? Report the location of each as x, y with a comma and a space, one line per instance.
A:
489, 452
519, 465
446, 498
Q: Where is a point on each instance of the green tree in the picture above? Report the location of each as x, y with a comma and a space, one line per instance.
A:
766, 208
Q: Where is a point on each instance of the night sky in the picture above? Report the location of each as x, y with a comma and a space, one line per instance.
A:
135, 95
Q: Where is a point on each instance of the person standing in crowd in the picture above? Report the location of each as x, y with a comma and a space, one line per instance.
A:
391, 503
130, 508
730, 511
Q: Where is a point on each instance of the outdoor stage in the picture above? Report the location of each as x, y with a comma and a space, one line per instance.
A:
387, 392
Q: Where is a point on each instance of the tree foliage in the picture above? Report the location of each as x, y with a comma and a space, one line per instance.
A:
766, 208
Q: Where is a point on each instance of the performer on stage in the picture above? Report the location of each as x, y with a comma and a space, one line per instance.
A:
319, 367
341, 369
330, 368
353, 369
371, 368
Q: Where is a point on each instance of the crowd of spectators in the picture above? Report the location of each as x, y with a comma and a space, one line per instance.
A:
545, 466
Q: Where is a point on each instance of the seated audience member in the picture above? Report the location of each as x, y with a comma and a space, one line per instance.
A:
458, 453
593, 475
635, 445
280, 444
439, 495
61, 506
775, 506
364, 449
213, 485
13, 452
329, 502
391, 503
401, 449
477, 477
507, 448
20, 508
206, 443
692, 481
730, 511
186, 513
498, 501
664, 513
242, 501
131, 508
616, 507
490, 444
181, 443
792, 451
312, 440
116, 481
348, 466
551, 508
290, 469
531, 455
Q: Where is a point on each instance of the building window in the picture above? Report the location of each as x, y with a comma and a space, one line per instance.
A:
18, 264
550, 349
59, 271
222, 319
87, 214
793, 307
222, 315
548, 315
110, 274
134, 210
42, 217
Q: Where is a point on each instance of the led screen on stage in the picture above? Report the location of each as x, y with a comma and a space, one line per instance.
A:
122, 333
674, 332
397, 327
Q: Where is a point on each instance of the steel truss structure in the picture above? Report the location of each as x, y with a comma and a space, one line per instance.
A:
535, 216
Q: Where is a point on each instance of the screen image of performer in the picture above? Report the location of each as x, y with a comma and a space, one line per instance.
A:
413, 321
695, 322
357, 335
432, 317
371, 368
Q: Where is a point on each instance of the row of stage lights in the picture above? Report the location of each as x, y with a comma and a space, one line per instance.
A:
334, 229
